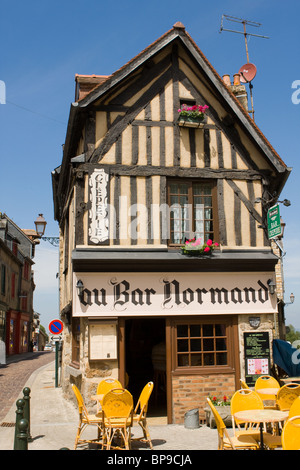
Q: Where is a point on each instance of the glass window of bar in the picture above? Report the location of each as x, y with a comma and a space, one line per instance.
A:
201, 345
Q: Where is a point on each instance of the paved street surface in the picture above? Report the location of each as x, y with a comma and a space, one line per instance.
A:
15, 373
54, 420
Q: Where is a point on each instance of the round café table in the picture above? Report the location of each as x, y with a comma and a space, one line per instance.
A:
99, 399
268, 391
261, 417
289, 380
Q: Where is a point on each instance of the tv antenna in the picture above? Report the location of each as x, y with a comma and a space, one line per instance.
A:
248, 71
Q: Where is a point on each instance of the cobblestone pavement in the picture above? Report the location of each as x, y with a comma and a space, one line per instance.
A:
15, 373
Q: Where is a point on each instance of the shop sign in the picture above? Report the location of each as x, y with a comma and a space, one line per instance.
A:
274, 223
98, 228
124, 294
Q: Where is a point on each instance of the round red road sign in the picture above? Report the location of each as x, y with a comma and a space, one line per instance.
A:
56, 327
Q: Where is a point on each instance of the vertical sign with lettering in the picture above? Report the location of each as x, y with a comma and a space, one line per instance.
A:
98, 214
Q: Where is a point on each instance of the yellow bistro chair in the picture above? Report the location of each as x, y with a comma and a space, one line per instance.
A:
243, 441
140, 413
86, 419
250, 400
243, 384
108, 384
117, 418
295, 408
287, 395
105, 386
267, 381
291, 434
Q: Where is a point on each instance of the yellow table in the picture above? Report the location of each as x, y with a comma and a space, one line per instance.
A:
261, 417
288, 380
268, 391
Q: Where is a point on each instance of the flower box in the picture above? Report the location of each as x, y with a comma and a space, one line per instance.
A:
224, 412
195, 247
191, 116
186, 121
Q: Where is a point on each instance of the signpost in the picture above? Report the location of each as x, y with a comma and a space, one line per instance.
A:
274, 223
56, 327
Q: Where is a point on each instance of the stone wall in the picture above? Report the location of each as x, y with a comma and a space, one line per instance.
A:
89, 373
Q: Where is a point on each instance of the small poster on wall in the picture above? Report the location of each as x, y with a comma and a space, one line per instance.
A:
258, 366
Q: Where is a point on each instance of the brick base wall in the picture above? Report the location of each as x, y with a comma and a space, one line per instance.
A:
191, 391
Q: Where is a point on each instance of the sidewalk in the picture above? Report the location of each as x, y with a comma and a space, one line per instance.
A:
54, 422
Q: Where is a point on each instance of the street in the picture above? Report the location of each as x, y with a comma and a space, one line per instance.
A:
15, 373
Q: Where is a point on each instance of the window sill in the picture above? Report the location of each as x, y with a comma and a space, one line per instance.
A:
74, 370
203, 371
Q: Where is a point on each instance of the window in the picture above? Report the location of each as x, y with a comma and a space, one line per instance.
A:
26, 270
192, 208
3, 279
187, 102
76, 341
204, 345
2, 325
13, 285
24, 300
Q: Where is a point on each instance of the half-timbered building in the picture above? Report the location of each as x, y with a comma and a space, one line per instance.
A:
134, 184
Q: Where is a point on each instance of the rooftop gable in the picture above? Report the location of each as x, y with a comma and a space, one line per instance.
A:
178, 31
106, 84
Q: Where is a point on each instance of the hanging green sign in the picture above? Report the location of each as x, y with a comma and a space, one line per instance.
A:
274, 225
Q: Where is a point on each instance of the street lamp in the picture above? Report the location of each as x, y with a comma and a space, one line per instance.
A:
285, 202
40, 225
292, 299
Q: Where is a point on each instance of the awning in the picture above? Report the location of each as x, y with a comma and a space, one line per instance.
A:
152, 260
286, 357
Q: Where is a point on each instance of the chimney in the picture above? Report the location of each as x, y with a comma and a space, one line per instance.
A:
226, 80
237, 89
85, 83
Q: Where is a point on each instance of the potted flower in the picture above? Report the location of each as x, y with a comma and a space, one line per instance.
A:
193, 113
222, 405
195, 247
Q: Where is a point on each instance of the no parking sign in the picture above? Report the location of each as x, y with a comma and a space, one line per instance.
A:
56, 327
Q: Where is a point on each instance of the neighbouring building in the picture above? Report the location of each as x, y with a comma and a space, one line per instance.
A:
16, 289
133, 185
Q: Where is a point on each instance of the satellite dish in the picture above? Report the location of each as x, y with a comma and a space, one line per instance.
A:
247, 72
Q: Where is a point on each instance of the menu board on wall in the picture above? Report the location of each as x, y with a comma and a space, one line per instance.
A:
102, 341
257, 355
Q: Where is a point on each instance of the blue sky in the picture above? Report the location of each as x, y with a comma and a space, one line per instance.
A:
45, 43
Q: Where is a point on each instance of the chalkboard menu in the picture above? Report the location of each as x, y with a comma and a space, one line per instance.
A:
257, 355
